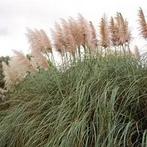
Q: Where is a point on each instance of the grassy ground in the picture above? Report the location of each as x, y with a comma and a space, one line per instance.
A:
97, 102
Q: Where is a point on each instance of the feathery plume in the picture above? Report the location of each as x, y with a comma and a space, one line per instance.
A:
23, 61
39, 41
75, 29
104, 33
19, 66
123, 31
10, 77
70, 45
46, 43
92, 40
58, 39
142, 23
35, 42
114, 32
84, 30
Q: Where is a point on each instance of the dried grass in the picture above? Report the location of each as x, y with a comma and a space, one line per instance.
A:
104, 33
58, 39
19, 66
39, 41
114, 31
69, 41
142, 23
123, 33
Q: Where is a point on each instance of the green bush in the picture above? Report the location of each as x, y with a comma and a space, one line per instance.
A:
97, 102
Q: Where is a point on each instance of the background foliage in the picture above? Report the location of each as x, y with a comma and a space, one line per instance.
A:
2, 59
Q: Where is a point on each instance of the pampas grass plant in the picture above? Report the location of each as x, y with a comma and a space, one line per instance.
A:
98, 101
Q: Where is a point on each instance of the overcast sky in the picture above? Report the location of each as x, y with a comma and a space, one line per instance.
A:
16, 15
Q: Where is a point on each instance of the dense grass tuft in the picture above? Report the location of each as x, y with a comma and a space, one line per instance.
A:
97, 102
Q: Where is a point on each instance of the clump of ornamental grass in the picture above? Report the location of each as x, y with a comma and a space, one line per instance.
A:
98, 101
20, 65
